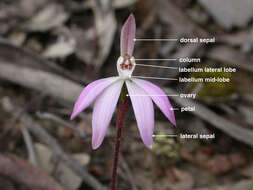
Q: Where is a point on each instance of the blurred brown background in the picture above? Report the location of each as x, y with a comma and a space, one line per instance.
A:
51, 49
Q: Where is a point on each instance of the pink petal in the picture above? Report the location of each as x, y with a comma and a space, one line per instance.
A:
144, 112
127, 36
103, 110
89, 93
161, 101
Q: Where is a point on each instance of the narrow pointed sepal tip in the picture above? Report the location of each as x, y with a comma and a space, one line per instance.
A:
127, 36
131, 16
148, 142
174, 123
72, 116
95, 145
131, 22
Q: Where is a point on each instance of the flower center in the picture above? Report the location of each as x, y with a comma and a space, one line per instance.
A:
125, 66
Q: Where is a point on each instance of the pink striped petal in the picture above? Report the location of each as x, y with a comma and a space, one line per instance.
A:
103, 110
89, 93
127, 36
159, 97
144, 112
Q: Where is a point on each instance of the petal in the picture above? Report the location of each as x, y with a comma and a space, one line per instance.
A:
144, 112
89, 93
127, 36
103, 110
159, 97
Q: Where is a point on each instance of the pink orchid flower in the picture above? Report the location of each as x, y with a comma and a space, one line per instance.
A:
106, 92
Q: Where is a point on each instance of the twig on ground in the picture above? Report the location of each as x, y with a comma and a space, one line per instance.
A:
46, 138
46, 82
231, 57
29, 145
55, 118
25, 57
247, 97
169, 13
25, 108
130, 177
78, 131
23, 172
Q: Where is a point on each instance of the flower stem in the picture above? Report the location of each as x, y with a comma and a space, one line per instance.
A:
121, 115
